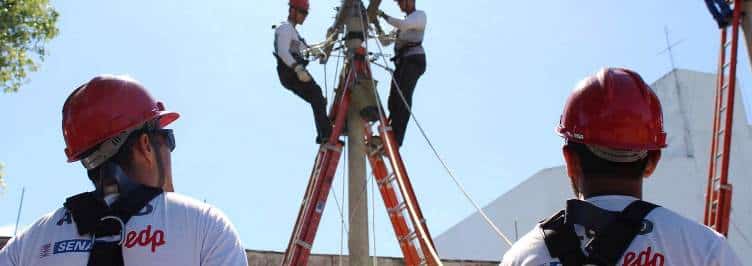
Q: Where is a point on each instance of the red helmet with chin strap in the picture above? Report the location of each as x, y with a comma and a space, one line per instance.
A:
614, 109
299, 4
104, 108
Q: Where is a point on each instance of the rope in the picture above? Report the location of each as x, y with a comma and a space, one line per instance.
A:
438, 156
341, 210
741, 233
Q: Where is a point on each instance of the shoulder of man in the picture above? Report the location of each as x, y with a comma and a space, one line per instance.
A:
220, 240
283, 26
206, 214
529, 250
31, 241
696, 237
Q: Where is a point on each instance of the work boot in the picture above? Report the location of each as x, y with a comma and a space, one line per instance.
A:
375, 144
370, 113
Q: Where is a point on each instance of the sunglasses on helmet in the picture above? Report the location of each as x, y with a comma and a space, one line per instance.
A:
167, 135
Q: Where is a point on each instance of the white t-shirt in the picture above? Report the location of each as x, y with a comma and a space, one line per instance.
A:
674, 240
288, 43
171, 230
411, 30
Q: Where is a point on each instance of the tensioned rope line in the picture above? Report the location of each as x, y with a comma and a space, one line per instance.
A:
438, 156
741, 233
340, 209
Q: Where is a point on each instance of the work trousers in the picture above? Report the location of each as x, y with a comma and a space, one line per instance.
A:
406, 74
311, 93
720, 10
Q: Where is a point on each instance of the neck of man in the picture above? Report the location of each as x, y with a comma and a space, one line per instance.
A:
291, 20
602, 186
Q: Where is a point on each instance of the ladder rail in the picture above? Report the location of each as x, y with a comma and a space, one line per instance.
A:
713, 138
412, 203
718, 198
314, 201
391, 201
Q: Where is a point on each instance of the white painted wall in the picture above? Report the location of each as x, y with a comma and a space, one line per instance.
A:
679, 182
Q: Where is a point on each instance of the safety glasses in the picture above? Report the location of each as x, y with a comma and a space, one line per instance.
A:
302, 11
167, 136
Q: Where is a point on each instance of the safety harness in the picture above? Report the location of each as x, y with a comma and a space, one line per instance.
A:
94, 217
403, 49
299, 59
612, 232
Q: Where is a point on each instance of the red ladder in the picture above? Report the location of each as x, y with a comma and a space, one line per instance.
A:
404, 212
718, 194
396, 190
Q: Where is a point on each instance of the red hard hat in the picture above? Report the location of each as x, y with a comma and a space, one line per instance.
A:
614, 109
299, 4
103, 108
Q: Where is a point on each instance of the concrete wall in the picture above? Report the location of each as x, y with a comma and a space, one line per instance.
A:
679, 182
273, 258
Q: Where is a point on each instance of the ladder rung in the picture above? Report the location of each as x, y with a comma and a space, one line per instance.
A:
718, 156
726, 65
727, 43
401, 207
388, 180
720, 132
724, 108
724, 87
303, 244
329, 147
409, 237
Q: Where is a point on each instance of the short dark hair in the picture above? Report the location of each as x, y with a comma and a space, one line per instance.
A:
124, 156
595, 167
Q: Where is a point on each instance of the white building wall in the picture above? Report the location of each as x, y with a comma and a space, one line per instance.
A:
679, 182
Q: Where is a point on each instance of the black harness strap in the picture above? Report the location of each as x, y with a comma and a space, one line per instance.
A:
608, 246
614, 232
92, 217
561, 240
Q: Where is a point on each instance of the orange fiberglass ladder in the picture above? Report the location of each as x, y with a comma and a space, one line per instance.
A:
404, 212
718, 194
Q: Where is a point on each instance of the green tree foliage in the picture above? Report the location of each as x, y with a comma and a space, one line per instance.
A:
25, 27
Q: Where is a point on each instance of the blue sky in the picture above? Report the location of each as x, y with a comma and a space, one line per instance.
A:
498, 74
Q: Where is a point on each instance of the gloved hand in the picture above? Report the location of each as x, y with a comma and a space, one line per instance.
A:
383, 15
302, 73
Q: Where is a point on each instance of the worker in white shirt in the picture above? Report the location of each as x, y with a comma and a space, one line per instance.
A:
291, 66
410, 64
612, 125
133, 217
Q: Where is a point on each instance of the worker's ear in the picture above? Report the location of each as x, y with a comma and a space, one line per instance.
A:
144, 150
653, 158
574, 168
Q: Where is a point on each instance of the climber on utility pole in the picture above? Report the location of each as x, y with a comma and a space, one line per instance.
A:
410, 63
291, 66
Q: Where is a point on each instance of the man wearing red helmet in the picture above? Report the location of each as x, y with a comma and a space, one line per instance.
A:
410, 63
116, 129
613, 129
291, 66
